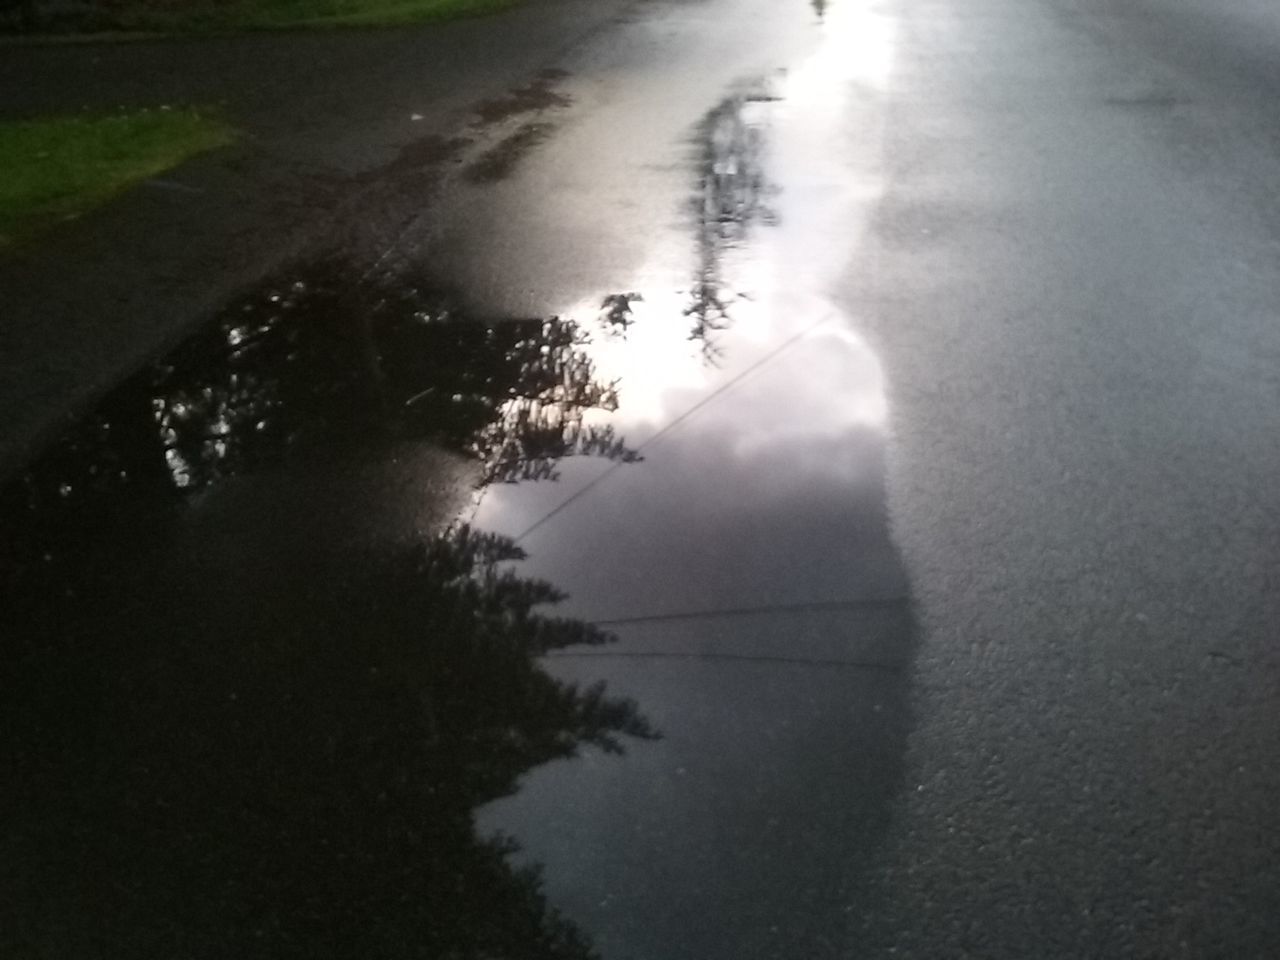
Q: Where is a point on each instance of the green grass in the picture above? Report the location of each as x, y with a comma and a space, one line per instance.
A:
142, 19
364, 13
56, 169
215, 17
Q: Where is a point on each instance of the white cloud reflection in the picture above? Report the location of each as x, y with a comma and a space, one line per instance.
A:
808, 381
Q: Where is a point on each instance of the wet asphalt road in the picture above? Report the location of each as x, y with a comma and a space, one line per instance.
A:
891, 391
1074, 289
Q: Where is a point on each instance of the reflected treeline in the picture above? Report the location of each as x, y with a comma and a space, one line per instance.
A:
299, 780
329, 357
253, 741
338, 353
733, 194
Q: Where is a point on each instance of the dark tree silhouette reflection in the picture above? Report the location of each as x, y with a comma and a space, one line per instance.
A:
330, 357
286, 763
306, 786
512, 393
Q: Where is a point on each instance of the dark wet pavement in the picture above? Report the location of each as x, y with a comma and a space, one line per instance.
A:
791, 481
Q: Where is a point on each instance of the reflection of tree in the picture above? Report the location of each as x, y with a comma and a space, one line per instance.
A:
513, 393
286, 762
329, 358
732, 194
306, 786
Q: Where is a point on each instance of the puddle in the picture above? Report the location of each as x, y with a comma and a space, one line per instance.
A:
745, 561
313, 616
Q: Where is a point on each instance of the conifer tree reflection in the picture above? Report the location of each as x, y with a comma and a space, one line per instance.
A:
307, 787
293, 771
328, 358
331, 355
512, 393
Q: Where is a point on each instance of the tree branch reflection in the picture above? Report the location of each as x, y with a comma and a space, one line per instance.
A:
226, 758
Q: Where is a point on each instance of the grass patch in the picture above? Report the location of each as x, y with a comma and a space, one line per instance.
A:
362, 13
149, 17
56, 169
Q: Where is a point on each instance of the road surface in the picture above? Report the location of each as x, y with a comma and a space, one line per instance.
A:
889, 394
